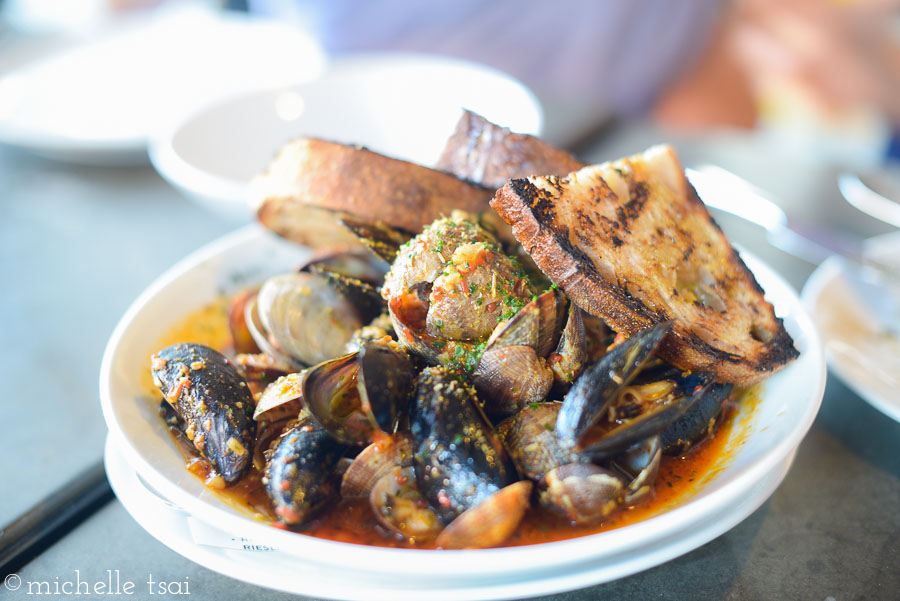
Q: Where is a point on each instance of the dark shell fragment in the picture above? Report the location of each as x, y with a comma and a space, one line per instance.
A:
213, 401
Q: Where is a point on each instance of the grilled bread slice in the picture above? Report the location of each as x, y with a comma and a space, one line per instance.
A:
486, 153
312, 181
630, 242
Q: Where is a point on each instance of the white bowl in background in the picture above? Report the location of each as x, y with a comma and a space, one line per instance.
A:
401, 105
762, 447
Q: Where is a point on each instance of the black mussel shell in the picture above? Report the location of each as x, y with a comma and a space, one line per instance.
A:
300, 476
459, 457
214, 403
597, 387
697, 422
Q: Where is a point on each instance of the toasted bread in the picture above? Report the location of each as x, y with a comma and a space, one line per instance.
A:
311, 179
489, 154
630, 242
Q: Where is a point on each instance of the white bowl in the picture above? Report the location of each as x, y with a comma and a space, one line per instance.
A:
759, 458
402, 105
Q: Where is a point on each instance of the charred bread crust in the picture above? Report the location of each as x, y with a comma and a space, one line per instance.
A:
632, 243
311, 177
486, 153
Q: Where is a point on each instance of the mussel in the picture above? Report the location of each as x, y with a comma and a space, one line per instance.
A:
459, 458
214, 403
598, 386
357, 395
698, 421
300, 476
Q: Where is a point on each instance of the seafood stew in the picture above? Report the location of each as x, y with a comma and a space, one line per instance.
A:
300, 468
446, 390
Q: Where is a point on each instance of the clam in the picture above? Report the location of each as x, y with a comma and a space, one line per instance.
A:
583, 493
571, 355
640, 464
375, 461
302, 319
530, 438
490, 522
513, 370
399, 507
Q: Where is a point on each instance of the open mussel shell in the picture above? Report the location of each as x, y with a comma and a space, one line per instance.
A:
355, 263
530, 438
364, 297
302, 318
510, 377
598, 386
385, 381
583, 493
359, 394
459, 457
300, 476
375, 461
698, 421
641, 464
643, 411
490, 522
399, 507
383, 240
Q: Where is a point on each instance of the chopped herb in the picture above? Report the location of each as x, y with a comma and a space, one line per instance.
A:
473, 288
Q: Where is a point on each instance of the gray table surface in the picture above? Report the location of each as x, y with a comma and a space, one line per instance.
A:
79, 243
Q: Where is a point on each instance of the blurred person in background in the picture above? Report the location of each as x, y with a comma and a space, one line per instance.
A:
822, 76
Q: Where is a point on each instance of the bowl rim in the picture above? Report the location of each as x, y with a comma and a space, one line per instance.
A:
481, 562
260, 573
184, 174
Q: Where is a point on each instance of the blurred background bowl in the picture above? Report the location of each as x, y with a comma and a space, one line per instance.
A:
401, 105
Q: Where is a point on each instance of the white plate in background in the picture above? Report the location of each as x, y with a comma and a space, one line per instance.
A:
402, 105
98, 102
776, 426
866, 358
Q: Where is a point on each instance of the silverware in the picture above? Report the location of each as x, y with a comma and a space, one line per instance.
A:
876, 282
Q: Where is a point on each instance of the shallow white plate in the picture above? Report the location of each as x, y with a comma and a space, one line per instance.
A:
402, 105
99, 102
865, 358
275, 569
768, 435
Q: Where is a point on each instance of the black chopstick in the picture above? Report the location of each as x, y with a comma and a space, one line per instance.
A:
31, 533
